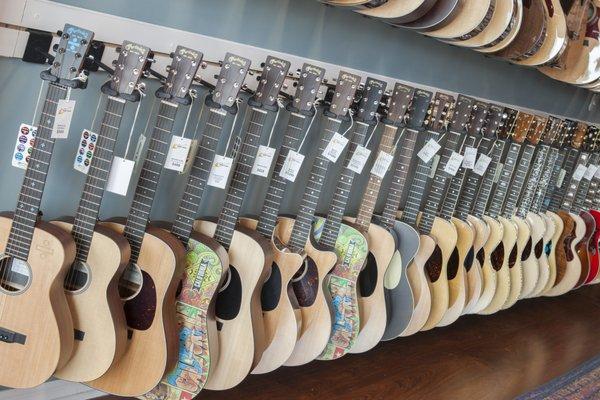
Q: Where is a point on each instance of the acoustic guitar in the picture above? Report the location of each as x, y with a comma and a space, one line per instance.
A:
36, 329
504, 18
149, 282
101, 254
438, 16
531, 35
400, 11
471, 18
509, 34
240, 325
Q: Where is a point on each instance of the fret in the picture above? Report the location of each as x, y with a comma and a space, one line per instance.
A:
496, 204
582, 190
533, 179
552, 185
543, 185
454, 192
592, 198
568, 168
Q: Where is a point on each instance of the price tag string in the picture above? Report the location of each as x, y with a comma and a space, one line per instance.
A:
279, 107
193, 95
233, 128
308, 129
372, 131
141, 89
398, 139
462, 145
96, 113
37, 103
351, 113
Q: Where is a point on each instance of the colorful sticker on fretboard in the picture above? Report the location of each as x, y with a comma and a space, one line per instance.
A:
24, 146
85, 152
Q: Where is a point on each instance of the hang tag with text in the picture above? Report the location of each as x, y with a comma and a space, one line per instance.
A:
382, 164
219, 173
62, 120
263, 161
120, 176
24, 146
335, 147
470, 157
291, 166
359, 159
178, 153
590, 172
429, 150
579, 172
482, 164
454, 163
85, 152
561, 177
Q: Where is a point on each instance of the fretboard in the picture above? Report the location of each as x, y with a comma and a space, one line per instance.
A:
545, 179
194, 189
89, 204
495, 207
371, 192
518, 181
339, 201
454, 192
241, 175
553, 184
308, 205
561, 190
471, 185
535, 174
277, 186
582, 190
592, 200
30, 196
487, 181
574, 184
402, 165
139, 213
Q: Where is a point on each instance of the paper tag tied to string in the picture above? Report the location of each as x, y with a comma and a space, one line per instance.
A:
291, 166
382, 164
590, 172
470, 157
263, 161
482, 164
454, 163
359, 159
120, 176
219, 173
85, 153
579, 172
62, 120
178, 153
429, 150
24, 146
335, 147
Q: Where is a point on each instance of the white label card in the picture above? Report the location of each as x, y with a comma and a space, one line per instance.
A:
85, 152
24, 146
429, 150
219, 173
590, 172
120, 176
454, 163
482, 164
579, 172
178, 153
62, 120
359, 159
382, 164
470, 157
561, 177
335, 147
291, 166
263, 161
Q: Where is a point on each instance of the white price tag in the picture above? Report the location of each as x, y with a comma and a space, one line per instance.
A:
561, 177
62, 120
591, 171
579, 172
335, 147
454, 163
24, 146
219, 173
263, 161
291, 166
178, 153
382, 164
429, 150
482, 164
359, 159
470, 157
87, 147
120, 175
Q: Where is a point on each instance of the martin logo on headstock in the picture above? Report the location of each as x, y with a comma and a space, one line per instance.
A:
311, 78
343, 95
461, 114
507, 125
129, 68
271, 80
180, 76
442, 110
229, 82
368, 100
398, 105
70, 55
494, 120
418, 111
478, 118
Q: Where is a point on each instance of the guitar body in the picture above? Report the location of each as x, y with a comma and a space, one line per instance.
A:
238, 310
529, 259
102, 337
492, 259
531, 35
399, 11
313, 313
39, 314
457, 271
436, 268
541, 249
583, 247
568, 265
442, 12
153, 345
401, 299
502, 17
515, 263
594, 249
470, 17
551, 250
474, 273
509, 35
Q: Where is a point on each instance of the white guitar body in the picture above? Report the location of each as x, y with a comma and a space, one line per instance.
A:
558, 228
516, 271
490, 275
544, 273
475, 274
531, 266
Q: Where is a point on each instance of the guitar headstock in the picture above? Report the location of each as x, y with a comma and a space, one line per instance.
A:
536, 130
579, 135
441, 112
596, 140
230, 80
370, 99
590, 138
70, 54
398, 104
523, 124
309, 82
271, 80
478, 117
418, 110
551, 130
495, 118
461, 114
343, 94
567, 132
509, 120
129, 69
180, 74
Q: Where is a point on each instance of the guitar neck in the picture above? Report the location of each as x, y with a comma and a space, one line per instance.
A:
574, 184
487, 182
553, 185
194, 189
239, 181
471, 185
454, 192
302, 226
95, 184
561, 189
518, 181
592, 200
545, 180
339, 201
584, 186
534, 178
156, 154
277, 186
495, 207
30, 196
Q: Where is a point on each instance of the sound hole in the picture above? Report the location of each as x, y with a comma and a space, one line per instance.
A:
271, 290
229, 298
453, 264
78, 277
469, 259
15, 275
305, 283
527, 250
481, 256
512, 257
131, 282
497, 257
539, 248
433, 266
367, 279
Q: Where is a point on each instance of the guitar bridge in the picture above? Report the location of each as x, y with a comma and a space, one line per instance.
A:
8, 336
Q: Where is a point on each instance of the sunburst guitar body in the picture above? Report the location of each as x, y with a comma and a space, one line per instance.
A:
542, 254
481, 233
568, 265
583, 247
551, 249
594, 249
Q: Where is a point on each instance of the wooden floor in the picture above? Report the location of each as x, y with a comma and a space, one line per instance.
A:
479, 357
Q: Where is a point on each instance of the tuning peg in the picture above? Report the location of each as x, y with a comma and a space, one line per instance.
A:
203, 65
114, 63
168, 68
285, 85
220, 63
262, 65
216, 76
171, 55
251, 73
55, 47
118, 49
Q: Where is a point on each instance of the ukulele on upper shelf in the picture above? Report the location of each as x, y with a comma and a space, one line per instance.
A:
101, 254
278, 314
36, 329
350, 244
315, 320
150, 280
240, 324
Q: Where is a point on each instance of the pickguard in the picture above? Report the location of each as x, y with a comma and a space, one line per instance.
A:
141, 309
